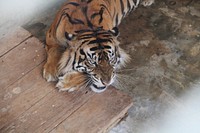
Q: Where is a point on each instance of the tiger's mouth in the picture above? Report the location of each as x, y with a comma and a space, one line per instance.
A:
98, 89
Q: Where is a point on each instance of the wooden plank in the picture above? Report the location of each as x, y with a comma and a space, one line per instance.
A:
98, 115
22, 95
20, 61
12, 39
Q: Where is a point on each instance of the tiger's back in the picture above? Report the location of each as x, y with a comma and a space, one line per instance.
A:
77, 15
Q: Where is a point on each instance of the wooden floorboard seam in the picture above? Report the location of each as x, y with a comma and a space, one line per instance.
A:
71, 114
16, 46
24, 74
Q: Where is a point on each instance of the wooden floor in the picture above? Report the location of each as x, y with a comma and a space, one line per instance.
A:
29, 104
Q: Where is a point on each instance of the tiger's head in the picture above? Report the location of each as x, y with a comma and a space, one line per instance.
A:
99, 56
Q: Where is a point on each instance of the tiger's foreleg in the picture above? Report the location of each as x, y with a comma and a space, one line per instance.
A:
50, 69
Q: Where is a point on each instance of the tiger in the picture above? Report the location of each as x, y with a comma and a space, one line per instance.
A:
82, 46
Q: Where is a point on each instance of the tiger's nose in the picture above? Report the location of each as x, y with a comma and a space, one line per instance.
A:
106, 81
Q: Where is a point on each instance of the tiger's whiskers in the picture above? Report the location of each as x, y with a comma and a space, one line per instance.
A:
125, 70
86, 83
123, 81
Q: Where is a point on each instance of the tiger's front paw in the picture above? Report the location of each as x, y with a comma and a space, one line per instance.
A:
72, 81
62, 85
147, 2
49, 73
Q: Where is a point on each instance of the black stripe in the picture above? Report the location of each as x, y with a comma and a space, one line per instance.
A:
78, 20
74, 61
94, 15
94, 34
84, 42
133, 8
61, 18
116, 20
80, 60
84, 30
101, 15
89, 1
107, 47
74, 21
87, 64
105, 7
84, 10
73, 3
97, 48
63, 12
89, 55
95, 78
100, 47
98, 40
82, 52
115, 51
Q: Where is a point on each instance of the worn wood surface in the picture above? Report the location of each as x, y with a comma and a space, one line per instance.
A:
29, 104
20, 61
100, 111
7, 42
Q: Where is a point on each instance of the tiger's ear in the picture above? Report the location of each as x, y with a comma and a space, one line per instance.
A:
115, 31
69, 36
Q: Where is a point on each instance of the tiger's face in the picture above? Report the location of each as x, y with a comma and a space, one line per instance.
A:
99, 65
99, 58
